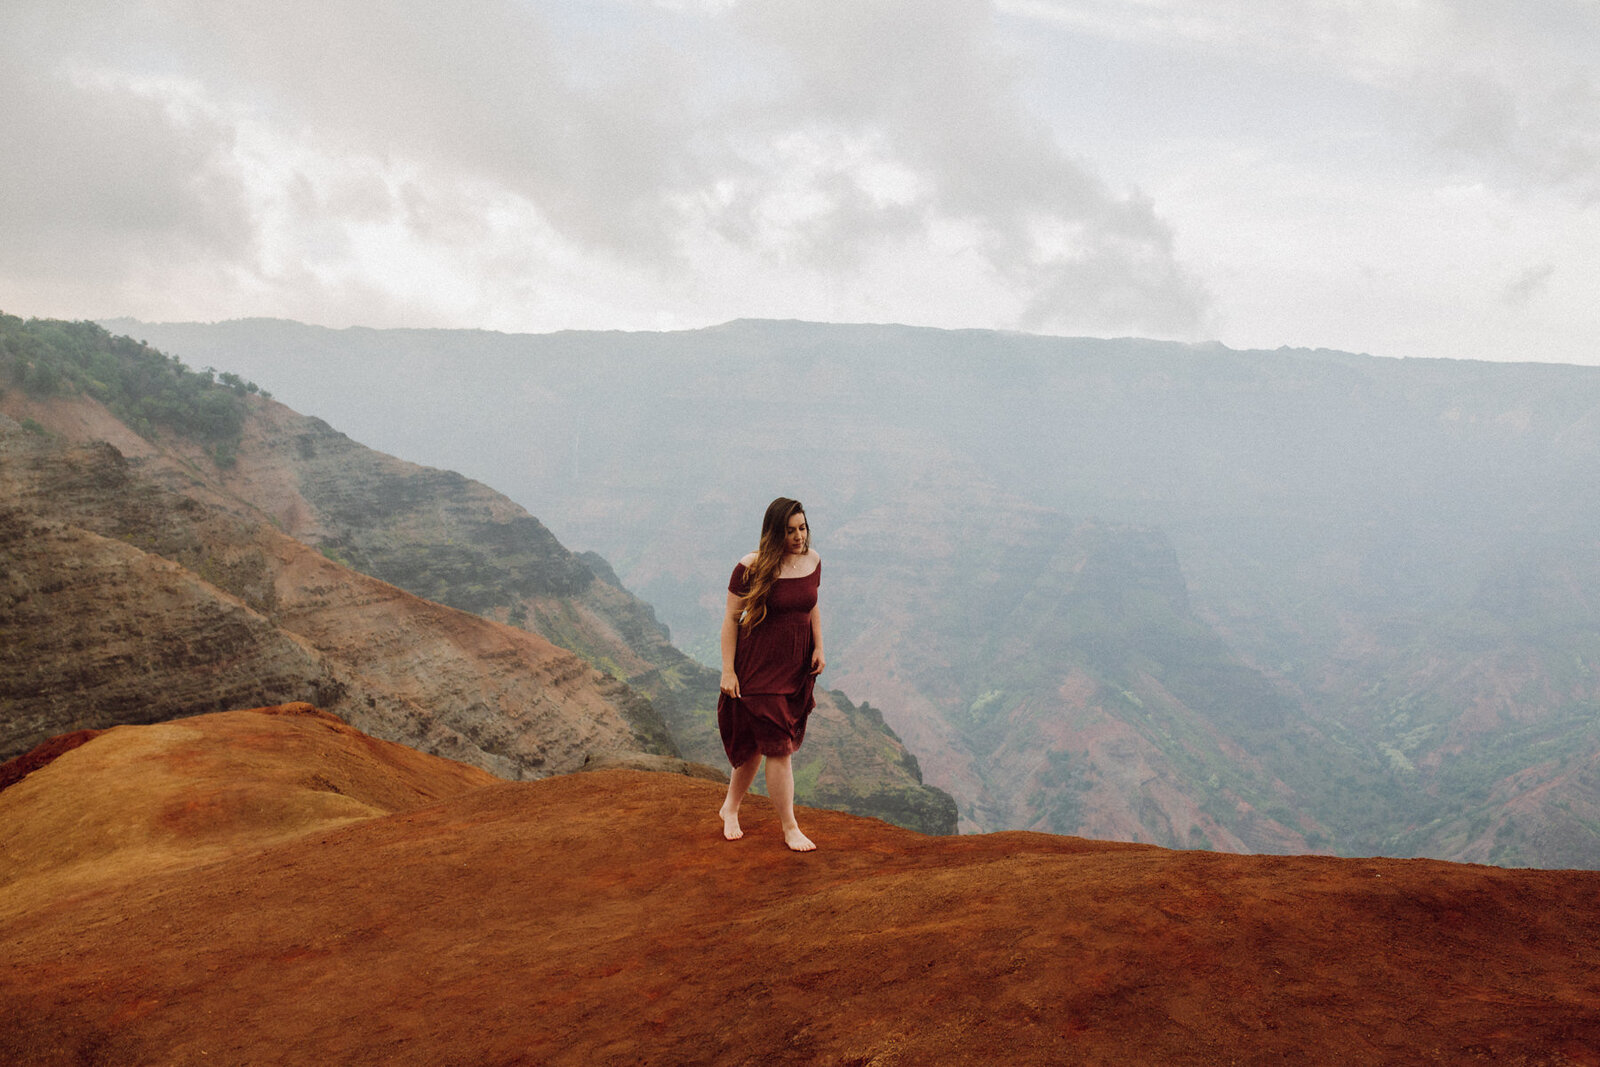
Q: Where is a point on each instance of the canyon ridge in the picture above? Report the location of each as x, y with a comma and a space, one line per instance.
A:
1279, 600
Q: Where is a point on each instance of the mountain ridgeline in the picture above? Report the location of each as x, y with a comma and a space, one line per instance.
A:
1170, 593
274, 530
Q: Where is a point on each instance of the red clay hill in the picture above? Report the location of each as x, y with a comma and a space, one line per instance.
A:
276, 887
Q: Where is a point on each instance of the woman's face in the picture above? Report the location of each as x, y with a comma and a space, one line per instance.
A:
797, 535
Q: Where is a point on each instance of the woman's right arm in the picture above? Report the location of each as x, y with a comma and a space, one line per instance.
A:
730, 641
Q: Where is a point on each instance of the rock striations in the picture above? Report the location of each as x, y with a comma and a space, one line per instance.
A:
275, 887
124, 601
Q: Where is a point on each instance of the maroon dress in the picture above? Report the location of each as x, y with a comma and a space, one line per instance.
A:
773, 665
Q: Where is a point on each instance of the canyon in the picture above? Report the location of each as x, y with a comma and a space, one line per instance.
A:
1298, 600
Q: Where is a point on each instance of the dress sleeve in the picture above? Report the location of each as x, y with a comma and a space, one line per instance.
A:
736, 583
819, 572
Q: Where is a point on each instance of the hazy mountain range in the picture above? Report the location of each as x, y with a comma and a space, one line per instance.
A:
1172, 593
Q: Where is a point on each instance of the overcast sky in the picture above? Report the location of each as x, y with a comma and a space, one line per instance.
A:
1406, 178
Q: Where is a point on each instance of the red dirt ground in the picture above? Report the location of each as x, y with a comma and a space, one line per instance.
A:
600, 918
15, 770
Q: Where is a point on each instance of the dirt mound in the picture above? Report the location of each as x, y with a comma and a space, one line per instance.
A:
134, 800
43, 754
600, 918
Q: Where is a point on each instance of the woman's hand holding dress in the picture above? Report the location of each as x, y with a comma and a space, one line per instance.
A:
818, 661
730, 643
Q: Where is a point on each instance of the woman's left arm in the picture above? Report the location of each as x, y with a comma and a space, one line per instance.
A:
818, 662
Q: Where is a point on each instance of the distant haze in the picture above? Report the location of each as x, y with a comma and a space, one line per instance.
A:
1413, 179
1412, 472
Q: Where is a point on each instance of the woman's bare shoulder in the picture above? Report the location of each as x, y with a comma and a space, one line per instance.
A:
749, 558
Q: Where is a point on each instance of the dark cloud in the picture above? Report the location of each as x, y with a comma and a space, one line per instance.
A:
1519, 135
1527, 285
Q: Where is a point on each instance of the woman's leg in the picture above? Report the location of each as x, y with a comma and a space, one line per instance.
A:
780, 787
738, 785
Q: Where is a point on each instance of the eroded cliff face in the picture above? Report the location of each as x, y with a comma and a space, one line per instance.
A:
128, 601
96, 632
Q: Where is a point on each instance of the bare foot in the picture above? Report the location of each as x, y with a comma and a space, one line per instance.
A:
798, 841
730, 824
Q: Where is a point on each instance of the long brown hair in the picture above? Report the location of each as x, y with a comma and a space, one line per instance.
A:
762, 575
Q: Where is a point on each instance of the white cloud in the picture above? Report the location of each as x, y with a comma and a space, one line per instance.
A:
1266, 172
1506, 88
1356, 174
363, 148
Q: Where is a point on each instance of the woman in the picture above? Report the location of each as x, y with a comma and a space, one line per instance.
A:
771, 656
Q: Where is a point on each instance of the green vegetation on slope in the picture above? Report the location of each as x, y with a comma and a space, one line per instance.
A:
144, 388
